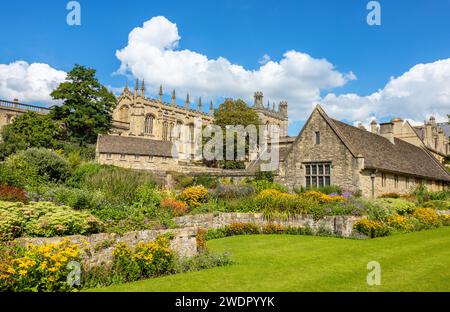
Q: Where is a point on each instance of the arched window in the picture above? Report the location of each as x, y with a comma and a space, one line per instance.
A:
165, 131
267, 130
149, 124
171, 131
191, 132
179, 129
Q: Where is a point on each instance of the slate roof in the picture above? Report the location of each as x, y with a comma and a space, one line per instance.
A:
116, 144
380, 153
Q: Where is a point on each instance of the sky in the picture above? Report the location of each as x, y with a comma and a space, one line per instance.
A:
305, 52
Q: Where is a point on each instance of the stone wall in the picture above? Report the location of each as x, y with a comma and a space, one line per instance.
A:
100, 246
338, 225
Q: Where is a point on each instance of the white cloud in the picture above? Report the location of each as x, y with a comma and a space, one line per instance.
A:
264, 60
29, 82
422, 91
152, 54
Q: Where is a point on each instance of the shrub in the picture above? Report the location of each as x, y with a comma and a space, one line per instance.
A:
207, 181
438, 204
322, 198
272, 228
245, 204
233, 191
12, 194
445, 220
201, 239
396, 205
176, 207
203, 260
195, 196
261, 185
72, 197
37, 268
327, 189
421, 193
402, 223
38, 165
427, 217
372, 228
143, 261
442, 195
118, 184
390, 195
379, 212
264, 175
238, 228
44, 220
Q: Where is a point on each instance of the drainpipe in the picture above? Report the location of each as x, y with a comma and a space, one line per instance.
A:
373, 175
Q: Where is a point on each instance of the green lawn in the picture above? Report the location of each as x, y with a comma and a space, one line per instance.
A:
417, 261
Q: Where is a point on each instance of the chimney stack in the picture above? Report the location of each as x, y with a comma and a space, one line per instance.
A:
397, 126
258, 100
374, 126
387, 131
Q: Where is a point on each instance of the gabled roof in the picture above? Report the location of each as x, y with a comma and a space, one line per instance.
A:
379, 153
116, 144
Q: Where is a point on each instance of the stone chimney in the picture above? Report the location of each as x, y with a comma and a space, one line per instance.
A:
283, 108
374, 126
387, 131
361, 126
258, 100
397, 126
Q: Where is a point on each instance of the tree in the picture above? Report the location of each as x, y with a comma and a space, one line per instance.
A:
30, 130
234, 113
87, 105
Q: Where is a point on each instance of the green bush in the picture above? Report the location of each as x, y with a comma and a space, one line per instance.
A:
119, 185
38, 165
62, 195
261, 185
44, 220
438, 204
327, 189
396, 205
202, 261
207, 181
227, 192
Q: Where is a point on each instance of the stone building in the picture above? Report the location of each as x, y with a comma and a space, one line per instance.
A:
328, 151
137, 116
430, 135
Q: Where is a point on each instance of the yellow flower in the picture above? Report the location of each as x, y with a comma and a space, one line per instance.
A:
53, 270
11, 270
23, 272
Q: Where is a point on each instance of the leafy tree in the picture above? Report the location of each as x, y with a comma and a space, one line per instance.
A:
234, 113
30, 130
87, 105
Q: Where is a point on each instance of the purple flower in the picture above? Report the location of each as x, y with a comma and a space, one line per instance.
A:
333, 194
347, 194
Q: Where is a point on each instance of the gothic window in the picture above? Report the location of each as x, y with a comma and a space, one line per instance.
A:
171, 131
407, 182
191, 132
317, 174
165, 131
317, 137
136, 157
108, 156
396, 181
149, 124
122, 157
179, 128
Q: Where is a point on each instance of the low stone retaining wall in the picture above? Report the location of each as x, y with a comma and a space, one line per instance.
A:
338, 225
100, 246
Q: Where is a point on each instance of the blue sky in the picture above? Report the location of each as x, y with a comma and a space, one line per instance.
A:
411, 33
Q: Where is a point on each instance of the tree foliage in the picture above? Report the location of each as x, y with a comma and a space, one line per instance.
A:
234, 113
87, 105
30, 130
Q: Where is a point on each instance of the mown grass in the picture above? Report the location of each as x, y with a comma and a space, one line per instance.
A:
417, 261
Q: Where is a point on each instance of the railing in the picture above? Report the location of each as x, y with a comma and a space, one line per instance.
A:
24, 107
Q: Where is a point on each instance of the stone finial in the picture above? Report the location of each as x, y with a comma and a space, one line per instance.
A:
174, 96
200, 104
187, 101
143, 88
211, 109
126, 87
361, 126
273, 106
374, 126
258, 99
268, 105
136, 88
160, 93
